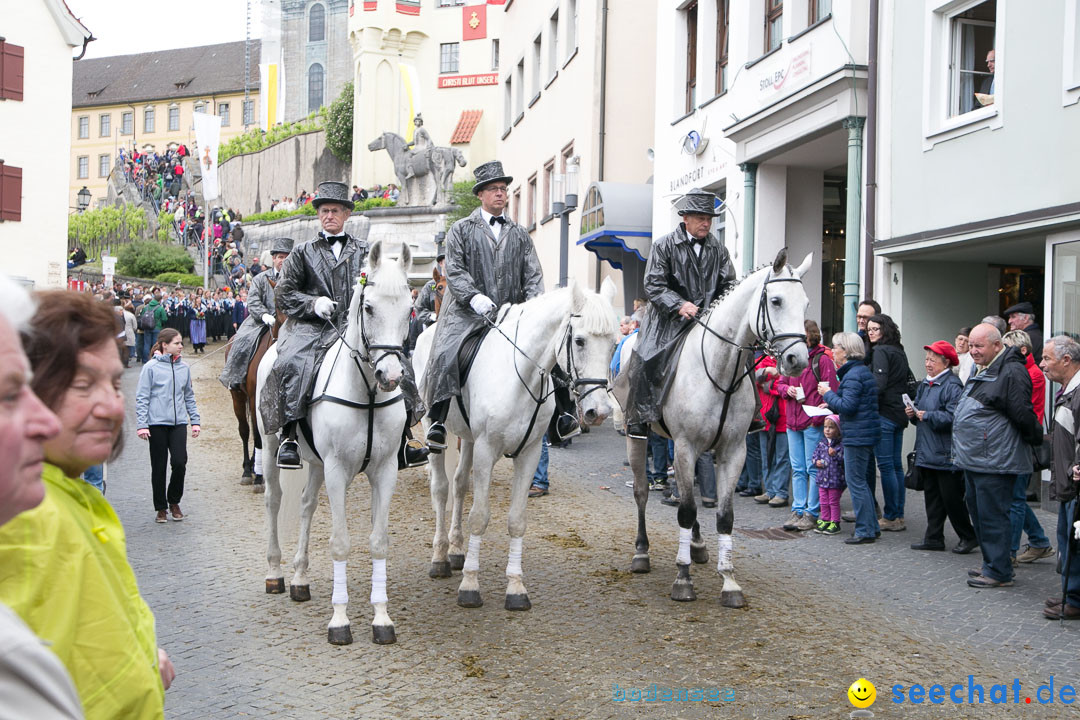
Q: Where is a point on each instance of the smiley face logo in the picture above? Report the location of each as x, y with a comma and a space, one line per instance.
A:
862, 693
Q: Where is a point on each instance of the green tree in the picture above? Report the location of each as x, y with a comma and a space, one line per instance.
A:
464, 202
339, 125
150, 259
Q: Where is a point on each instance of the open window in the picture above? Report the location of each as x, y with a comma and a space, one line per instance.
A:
972, 58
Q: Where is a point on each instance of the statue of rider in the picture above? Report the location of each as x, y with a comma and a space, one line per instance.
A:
687, 270
261, 317
420, 143
490, 261
315, 291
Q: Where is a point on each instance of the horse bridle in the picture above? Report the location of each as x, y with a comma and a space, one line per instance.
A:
593, 384
366, 344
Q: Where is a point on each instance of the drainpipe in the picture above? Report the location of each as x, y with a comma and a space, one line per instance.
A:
871, 155
749, 207
603, 92
852, 228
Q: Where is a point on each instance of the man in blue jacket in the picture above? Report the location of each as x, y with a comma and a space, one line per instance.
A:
994, 428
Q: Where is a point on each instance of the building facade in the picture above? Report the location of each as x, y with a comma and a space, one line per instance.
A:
763, 102
316, 55
40, 40
979, 194
576, 89
146, 101
438, 59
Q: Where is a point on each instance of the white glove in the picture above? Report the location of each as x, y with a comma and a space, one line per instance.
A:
481, 304
433, 318
1076, 526
269, 320
324, 307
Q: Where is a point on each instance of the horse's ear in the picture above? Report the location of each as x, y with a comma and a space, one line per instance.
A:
435, 274
375, 254
608, 290
780, 261
577, 297
406, 257
804, 266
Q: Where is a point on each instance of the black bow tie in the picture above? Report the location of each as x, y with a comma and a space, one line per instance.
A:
335, 239
497, 219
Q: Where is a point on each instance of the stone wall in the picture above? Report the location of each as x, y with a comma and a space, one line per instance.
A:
248, 182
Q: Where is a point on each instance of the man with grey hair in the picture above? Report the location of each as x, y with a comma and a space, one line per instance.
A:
996, 403
1061, 361
33, 682
997, 322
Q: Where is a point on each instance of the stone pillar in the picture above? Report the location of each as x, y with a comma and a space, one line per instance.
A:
749, 203
853, 225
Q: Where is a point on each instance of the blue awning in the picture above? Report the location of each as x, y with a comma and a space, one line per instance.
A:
616, 222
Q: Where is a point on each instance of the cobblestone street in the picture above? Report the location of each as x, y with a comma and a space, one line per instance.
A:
820, 614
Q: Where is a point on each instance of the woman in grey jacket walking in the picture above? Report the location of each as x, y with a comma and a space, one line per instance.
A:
164, 405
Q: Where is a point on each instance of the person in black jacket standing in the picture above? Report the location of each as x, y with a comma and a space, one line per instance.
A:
932, 416
891, 371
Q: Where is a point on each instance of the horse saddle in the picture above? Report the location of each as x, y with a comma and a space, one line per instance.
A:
465, 357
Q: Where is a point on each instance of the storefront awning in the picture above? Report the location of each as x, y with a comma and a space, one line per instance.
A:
616, 222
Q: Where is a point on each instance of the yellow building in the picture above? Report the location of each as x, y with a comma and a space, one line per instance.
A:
147, 100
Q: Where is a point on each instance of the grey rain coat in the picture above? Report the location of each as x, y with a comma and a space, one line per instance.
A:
425, 304
260, 302
674, 275
507, 273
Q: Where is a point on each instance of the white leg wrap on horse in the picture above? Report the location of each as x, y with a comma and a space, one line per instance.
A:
256, 464
341, 588
378, 581
472, 557
723, 554
513, 566
683, 558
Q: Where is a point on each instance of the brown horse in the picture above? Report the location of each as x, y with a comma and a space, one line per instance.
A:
243, 401
440, 288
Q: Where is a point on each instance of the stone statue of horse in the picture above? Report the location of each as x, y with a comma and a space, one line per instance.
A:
443, 160
413, 169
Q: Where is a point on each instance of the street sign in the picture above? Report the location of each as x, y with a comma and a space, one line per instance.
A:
108, 268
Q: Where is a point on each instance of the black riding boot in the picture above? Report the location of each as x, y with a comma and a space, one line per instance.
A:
436, 434
288, 454
412, 453
564, 423
757, 424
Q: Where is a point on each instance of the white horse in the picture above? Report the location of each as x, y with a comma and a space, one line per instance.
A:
575, 328
356, 416
710, 404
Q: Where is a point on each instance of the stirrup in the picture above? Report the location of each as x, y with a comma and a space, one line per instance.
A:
756, 425
572, 425
638, 431
288, 455
413, 453
436, 437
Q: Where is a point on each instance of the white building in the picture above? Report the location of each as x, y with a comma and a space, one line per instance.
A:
979, 204
440, 59
577, 83
763, 102
36, 67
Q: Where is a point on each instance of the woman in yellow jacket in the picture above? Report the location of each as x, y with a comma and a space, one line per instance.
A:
63, 565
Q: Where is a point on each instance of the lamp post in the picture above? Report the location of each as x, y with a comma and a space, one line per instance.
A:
83, 199
564, 194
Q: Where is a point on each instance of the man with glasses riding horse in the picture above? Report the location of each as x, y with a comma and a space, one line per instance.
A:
688, 269
315, 290
490, 261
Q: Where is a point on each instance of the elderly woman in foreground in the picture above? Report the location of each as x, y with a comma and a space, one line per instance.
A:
856, 402
63, 565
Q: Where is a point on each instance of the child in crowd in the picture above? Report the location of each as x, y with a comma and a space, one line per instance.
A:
828, 457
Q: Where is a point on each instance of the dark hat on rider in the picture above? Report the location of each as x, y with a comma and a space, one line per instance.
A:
281, 245
333, 192
1020, 307
488, 173
945, 349
698, 202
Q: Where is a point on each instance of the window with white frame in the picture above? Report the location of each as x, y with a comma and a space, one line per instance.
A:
722, 7
536, 57
819, 10
174, 118
530, 218
223, 113
691, 14
508, 103
84, 127
103, 165
84, 167
549, 175
105, 125
148, 120
553, 44
451, 3
249, 112
517, 206
519, 90
1071, 55
495, 54
571, 27
774, 24
448, 57
127, 123
972, 84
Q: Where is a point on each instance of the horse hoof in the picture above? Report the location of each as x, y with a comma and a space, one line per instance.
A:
518, 602
469, 598
439, 570
683, 591
382, 635
246, 480
339, 635
640, 564
732, 599
699, 554
301, 593
457, 562
258, 488
275, 586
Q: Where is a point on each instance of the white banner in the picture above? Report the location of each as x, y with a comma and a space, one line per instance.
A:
208, 138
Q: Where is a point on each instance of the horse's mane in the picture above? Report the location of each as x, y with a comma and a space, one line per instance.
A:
731, 290
385, 286
597, 317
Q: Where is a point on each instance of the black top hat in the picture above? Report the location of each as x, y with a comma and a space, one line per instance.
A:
698, 202
281, 245
333, 192
1020, 307
488, 173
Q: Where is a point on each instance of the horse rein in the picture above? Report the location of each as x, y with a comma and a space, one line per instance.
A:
595, 383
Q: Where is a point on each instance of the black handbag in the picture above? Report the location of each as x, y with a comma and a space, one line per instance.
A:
912, 477
1042, 456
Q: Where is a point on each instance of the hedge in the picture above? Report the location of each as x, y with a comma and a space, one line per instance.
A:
149, 259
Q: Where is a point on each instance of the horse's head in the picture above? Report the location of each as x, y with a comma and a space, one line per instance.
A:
379, 316
440, 288
593, 334
780, 315
459, 158
378, 143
